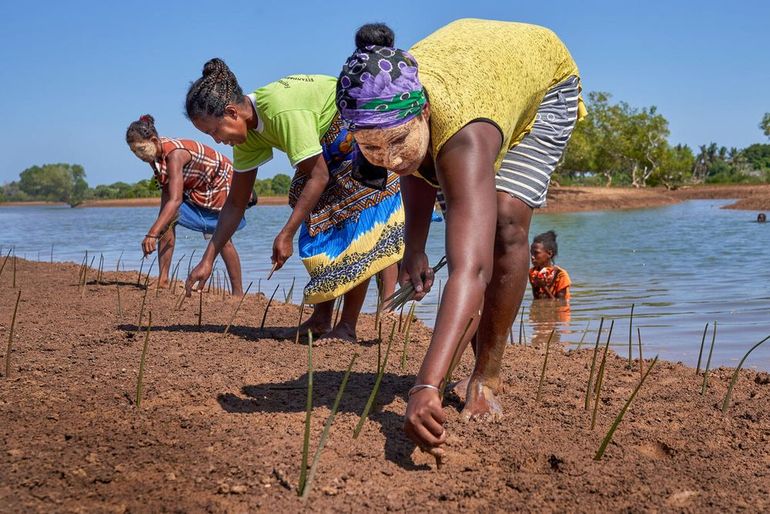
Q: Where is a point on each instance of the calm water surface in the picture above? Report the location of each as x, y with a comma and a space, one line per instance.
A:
682, 266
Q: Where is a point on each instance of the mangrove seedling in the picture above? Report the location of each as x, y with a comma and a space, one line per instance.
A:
308, 412
593, 365
5, 260
299, 321
407, 331
406, 292
583, 337
325, 434
455, 358
267, 308
600, 377
200, 309
227, 328
619, 417
641, 358
290, 294
139, 386
117, 266
700, 352
189, 263
545, 363
120, 308
630, 338
736, 373
144, 301
10, 338
377, 381
708, 361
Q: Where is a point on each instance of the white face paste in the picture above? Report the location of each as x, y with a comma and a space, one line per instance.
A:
145, 150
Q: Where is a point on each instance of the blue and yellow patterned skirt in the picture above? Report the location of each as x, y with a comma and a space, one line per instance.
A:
353, 232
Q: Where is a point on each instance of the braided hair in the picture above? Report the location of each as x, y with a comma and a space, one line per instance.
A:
141, 129
210, 94
548, 240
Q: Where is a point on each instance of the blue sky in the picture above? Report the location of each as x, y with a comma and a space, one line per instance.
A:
74, 74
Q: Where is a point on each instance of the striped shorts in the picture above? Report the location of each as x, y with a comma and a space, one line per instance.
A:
527, 167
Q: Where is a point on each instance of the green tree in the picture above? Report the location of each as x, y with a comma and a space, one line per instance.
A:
765, 124
281, 184
55, 182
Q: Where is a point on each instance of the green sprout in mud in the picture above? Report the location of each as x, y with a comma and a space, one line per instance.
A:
235, 313
600, 376
264, 316
734, 379
10, 338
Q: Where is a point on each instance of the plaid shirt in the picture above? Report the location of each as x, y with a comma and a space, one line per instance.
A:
206, 177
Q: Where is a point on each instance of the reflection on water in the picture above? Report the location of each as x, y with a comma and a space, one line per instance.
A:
681, 265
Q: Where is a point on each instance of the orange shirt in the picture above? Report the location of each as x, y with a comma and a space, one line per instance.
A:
551, 278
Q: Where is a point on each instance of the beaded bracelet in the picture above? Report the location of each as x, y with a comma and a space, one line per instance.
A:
420, 387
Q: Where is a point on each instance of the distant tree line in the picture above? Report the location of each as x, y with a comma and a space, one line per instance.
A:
67, 183
618, 144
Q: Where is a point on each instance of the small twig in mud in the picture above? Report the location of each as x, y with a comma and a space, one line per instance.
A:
700, 352
407, 330
327, 426
299, 321
708, 361
377, 381
455, 358
308, 412
337, 305
600, 377
583, 337
227, 328
545, 363
267, 308
641, 357
141, 362
736, 373
630, 338
200, 309
593, 365
619, 417
10, 338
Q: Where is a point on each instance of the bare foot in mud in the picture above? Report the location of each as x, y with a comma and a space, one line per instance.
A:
317, 328
460, 388
342, 332
481, 403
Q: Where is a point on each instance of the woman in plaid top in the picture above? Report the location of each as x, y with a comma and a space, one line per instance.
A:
195, 180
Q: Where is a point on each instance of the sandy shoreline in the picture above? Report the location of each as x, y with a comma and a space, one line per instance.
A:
560, 199
221, 421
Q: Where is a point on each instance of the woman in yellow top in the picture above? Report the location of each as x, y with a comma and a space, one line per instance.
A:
486, 121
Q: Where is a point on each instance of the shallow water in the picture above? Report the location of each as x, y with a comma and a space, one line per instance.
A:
682, 266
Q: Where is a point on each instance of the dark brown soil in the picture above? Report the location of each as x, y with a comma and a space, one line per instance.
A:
221, 421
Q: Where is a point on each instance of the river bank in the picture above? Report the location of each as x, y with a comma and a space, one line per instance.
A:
221, 420
560, 199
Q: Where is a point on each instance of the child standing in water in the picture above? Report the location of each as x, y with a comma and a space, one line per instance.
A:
195, 181
547, 279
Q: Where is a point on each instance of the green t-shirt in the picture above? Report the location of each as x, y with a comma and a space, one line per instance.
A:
293, 114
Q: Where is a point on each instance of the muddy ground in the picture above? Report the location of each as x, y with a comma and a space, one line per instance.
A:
221, 421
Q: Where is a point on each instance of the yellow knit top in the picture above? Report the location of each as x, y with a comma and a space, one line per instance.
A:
500, 71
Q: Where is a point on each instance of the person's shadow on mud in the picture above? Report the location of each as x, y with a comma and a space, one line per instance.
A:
291, 396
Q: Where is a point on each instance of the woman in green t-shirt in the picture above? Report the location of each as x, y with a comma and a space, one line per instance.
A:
348, 232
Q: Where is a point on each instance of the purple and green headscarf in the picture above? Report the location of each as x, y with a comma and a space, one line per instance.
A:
379, 88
